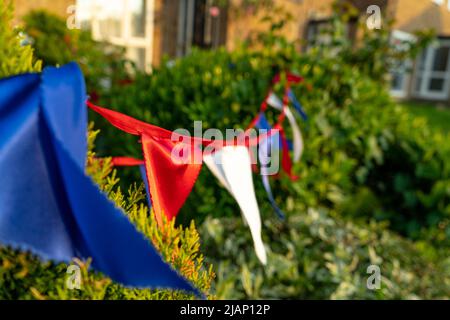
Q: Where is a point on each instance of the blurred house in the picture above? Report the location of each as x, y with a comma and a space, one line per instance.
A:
430, 75
150, 29
427, 78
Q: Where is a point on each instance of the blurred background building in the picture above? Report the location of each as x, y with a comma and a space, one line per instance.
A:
22, 7
149, 29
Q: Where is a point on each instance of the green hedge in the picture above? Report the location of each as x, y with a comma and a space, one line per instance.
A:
315, 255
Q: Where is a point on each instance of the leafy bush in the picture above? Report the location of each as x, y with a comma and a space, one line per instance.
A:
316, 256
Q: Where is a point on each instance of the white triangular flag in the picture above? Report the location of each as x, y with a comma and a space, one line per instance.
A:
232, 167
213, 162
276, 103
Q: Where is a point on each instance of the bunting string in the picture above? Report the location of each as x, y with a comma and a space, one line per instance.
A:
43, 155
168, 182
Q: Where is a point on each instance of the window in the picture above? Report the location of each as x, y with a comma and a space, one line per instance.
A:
320, 33
201, 24
124, 23
432, 78
317, 33
138, 56
110, 19
138, 15
401, 72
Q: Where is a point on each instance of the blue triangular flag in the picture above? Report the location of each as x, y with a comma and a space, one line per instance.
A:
265, 146
47, 203
297, 106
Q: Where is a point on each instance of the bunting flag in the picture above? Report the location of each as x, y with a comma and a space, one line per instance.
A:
170, 182
268, 144
290, 77
232, 167
165, 175
245, 196
47, 203
265, 155
214, 165
298, 107
276, 102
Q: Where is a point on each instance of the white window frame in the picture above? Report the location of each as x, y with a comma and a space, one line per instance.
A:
126, 39
404, 90
442, 2
427, 74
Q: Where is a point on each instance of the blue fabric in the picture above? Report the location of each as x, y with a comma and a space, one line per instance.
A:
147, 188
266, 184
297, 106
262, 123
47, 203
290, 144
264, 149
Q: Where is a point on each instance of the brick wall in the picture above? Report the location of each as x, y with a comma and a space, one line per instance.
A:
412, 15
242, 23
409, 15
22, 7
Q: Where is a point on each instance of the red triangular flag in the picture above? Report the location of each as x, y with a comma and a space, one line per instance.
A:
170, 181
